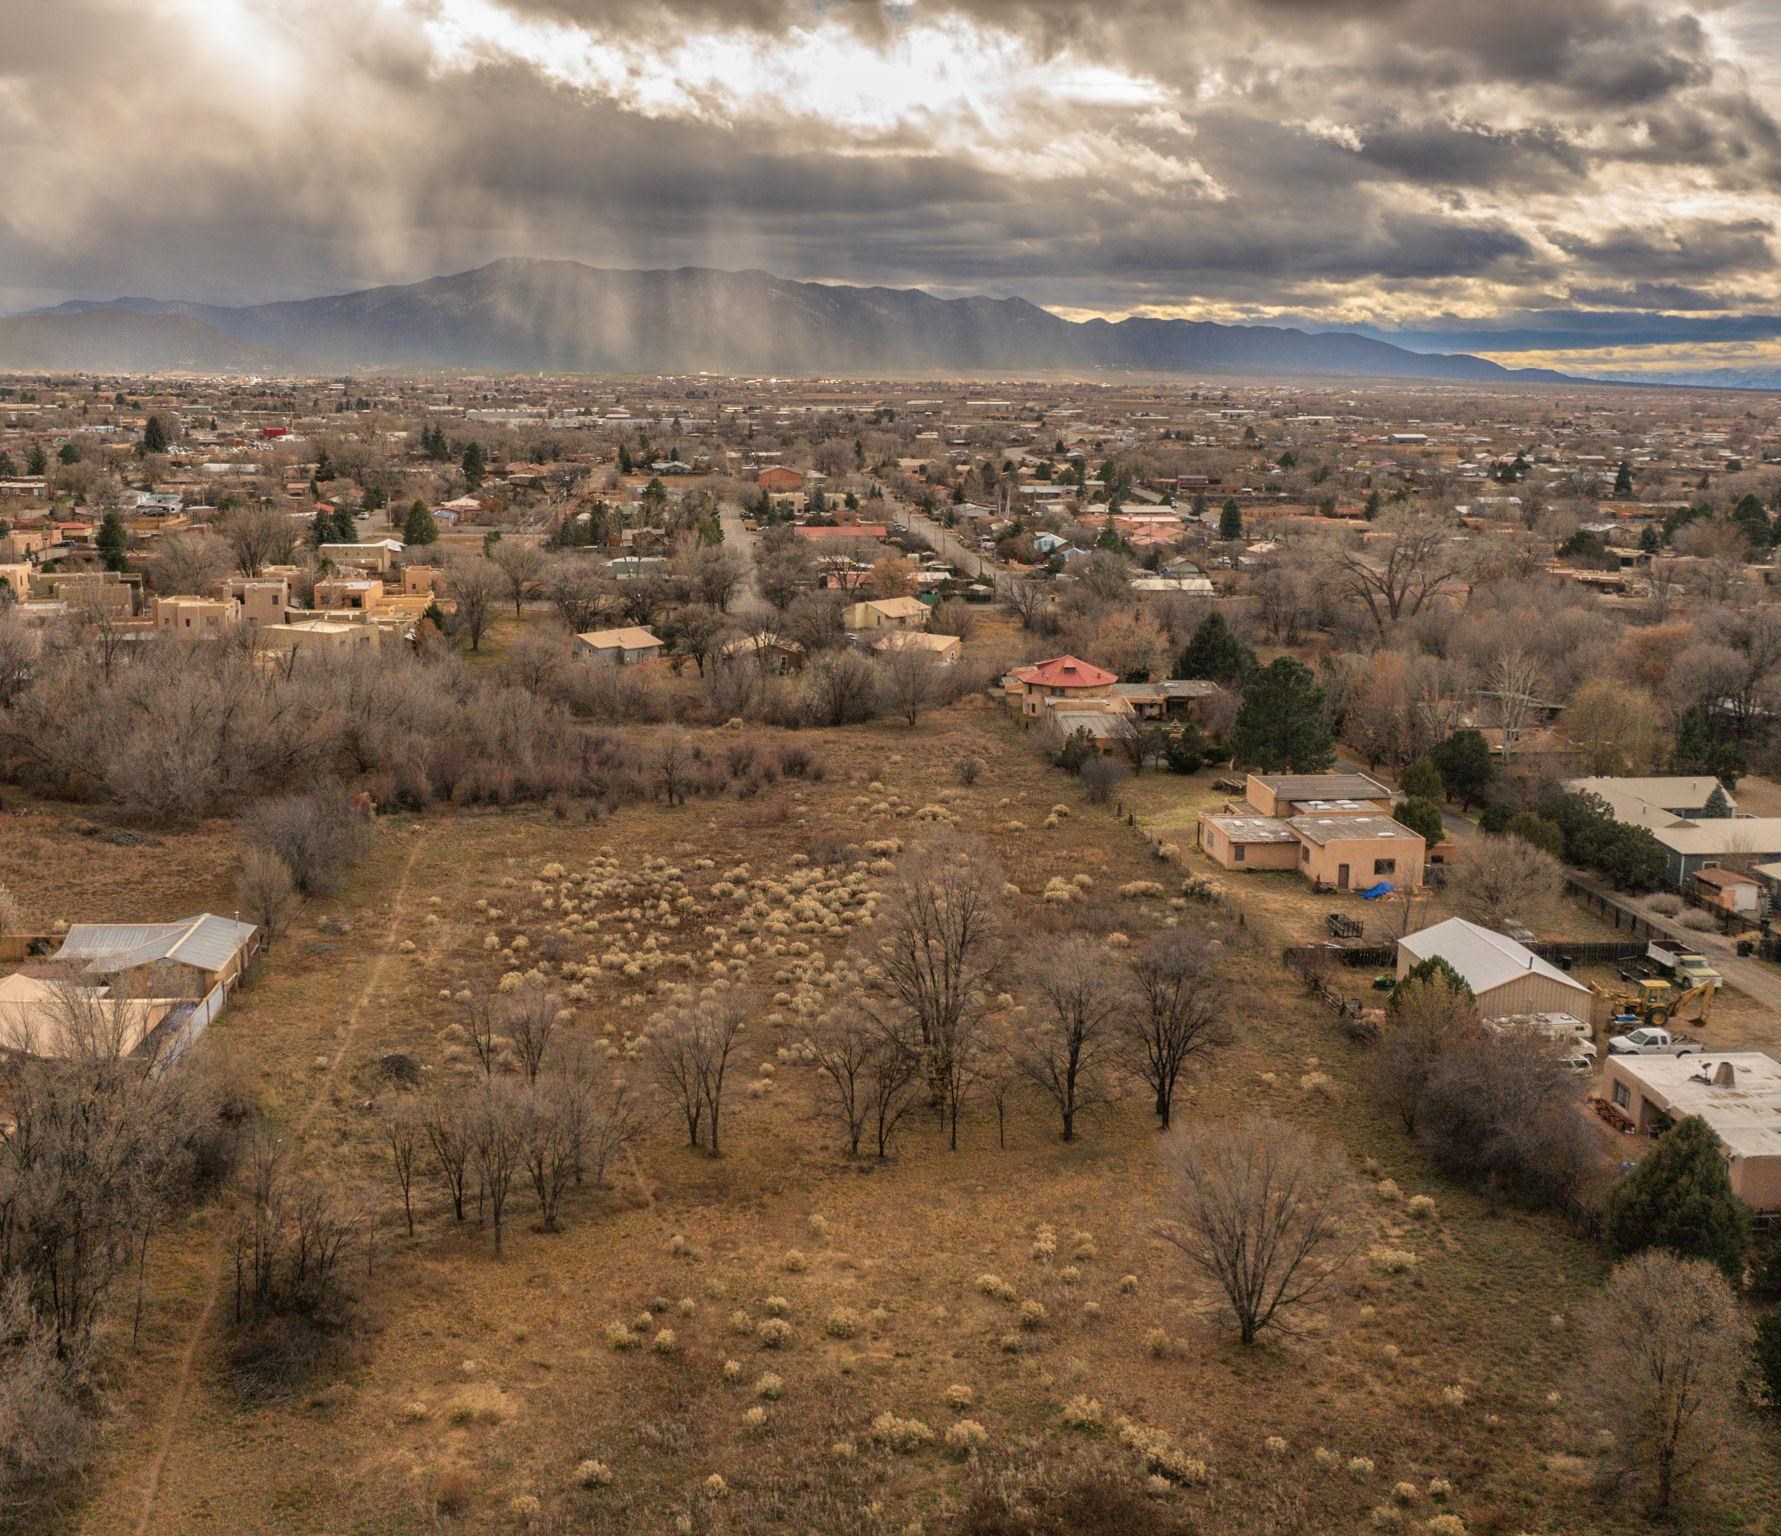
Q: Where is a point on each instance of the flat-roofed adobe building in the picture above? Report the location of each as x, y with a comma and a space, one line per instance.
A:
1316, 794
1738, 1094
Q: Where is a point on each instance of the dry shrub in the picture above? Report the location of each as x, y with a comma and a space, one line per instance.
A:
452, 1490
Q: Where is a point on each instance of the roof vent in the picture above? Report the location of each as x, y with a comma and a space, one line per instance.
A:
1725, 1075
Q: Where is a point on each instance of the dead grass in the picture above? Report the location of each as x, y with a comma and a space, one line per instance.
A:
895, 1251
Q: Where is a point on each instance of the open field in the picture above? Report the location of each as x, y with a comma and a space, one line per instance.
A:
477, 1385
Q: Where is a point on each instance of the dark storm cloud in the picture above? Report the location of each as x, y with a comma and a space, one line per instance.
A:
1692, 249
1242, 155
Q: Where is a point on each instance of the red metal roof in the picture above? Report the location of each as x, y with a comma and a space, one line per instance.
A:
1064, 672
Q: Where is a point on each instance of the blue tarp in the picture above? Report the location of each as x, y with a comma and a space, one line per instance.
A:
1374, 892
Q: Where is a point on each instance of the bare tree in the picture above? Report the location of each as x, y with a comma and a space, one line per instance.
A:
1668, 1347
528, 1017
1264, 1208
689, 1050
1428, 1018
479, 1010
522, 566
1504, 880
1062, 1052
1410, 557
555, 1116
257, 536
403, 1134
1176, 1011
188, 563
872, 1081
839, 689
266, 892
935, 972
671, 766
1030, 599
446, 1122
319, 836
1513, 680
908, 679
497, 1146
474, 586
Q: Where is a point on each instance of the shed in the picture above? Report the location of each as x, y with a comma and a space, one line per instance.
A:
1507, 978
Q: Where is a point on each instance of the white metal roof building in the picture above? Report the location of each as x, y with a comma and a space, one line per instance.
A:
206, 943
1506, 977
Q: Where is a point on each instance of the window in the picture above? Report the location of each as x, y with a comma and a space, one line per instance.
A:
1623, 1095
1385, 866
1238, 851
1304, 853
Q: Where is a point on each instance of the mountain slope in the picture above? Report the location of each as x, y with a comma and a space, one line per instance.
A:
560, 316
118, 340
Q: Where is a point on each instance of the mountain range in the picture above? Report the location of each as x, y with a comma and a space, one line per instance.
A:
522, 315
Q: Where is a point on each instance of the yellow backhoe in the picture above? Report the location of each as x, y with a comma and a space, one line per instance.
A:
1653, 1001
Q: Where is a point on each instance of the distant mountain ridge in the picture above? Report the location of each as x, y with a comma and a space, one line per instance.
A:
525, 315
102, 339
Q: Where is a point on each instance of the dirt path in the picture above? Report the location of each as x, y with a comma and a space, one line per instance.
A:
173, 1414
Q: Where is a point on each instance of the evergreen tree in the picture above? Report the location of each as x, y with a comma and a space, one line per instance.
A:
1184, 750
69, 453
8, 469
1649, 542
1623, 481
1214, 652
1466, 768
1422, 780
473, 465
1680, 1199
1718, 806
154, 436
1749, 515
1768, 1354
1372, 507
1531, 827
1432, 970
624, 460
1422, 817
111, 541
1281, 726
1230, 521
37, 461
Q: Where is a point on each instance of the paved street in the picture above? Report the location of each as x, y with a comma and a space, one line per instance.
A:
738, 538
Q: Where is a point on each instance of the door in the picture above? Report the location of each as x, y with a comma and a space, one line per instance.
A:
1341, 877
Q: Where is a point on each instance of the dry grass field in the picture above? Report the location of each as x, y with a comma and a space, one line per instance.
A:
482, 1394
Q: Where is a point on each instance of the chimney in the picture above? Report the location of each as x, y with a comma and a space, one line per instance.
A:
1725, 1075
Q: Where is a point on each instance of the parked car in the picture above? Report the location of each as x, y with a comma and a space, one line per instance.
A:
1652, 1041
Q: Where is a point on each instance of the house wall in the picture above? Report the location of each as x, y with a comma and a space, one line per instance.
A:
1223, 851
1534, 993
1755, 1180
1323, 862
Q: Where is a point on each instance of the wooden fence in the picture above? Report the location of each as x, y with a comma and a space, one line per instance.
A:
1380, 956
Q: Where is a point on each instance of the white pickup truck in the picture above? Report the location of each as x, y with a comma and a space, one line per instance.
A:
1652, 1041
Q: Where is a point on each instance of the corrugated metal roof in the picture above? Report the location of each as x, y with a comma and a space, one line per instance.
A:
205, 942
1484, 960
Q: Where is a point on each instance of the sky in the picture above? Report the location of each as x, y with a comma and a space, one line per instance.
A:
1566, 183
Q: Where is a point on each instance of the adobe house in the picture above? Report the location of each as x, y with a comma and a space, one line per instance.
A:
618, 647
1248, 842
1354, 852
1737, 1093
777, 480
196, 615
263, 599
1062, 677
888, 613
1316, 794
350, 594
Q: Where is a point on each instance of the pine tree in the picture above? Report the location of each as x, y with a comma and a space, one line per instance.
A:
1214, 652
419, 527
154, 436
1649, 542
1623, 480
112, 541
473, 465
1433, 969
1466, 769
1422, 817
1281, 726
37, 461
1230, 521
1422, 780
1680, 1199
